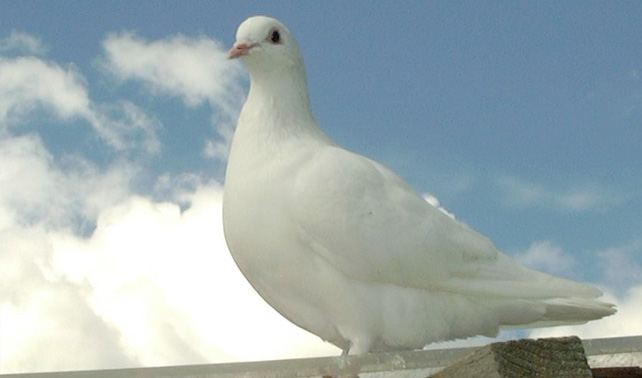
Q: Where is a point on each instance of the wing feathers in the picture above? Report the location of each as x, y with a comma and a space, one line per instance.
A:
398, 238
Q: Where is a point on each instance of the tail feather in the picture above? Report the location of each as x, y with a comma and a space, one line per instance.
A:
567, 311
579, 309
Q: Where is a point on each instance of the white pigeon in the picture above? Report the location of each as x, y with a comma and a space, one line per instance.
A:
344, 248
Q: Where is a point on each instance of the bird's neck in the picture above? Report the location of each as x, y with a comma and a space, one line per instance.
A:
275, 118
280, 100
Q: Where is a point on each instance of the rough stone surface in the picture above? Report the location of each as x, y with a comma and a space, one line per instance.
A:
557, 357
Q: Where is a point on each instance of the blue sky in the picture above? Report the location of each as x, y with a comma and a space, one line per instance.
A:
523, 118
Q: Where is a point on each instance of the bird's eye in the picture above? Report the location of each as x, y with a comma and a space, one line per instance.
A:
275, 36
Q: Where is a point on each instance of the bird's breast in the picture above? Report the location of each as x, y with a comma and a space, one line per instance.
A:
257, 224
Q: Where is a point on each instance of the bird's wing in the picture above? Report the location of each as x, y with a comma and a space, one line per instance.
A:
365, 221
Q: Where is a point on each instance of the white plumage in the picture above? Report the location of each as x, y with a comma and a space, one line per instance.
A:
341, 246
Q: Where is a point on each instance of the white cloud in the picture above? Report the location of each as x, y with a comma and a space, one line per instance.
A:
546, 256
34, 189
520, 193
39, 311
94, 275
165, 279
152, 285
28, 84
22, 43
219, 148
124, 126
195, 69
48, 316
581, 199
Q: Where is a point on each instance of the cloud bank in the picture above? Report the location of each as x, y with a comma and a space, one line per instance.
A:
95, 274
196, 70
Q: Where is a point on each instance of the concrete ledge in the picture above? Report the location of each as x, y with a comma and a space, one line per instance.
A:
404, 364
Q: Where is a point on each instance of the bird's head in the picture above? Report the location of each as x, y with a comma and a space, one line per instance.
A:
265, 43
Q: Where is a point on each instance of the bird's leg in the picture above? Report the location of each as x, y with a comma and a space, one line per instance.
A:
343, 364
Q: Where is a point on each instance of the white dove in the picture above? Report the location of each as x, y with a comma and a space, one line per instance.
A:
344, 248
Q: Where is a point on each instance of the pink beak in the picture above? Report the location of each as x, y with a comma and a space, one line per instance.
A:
239, 49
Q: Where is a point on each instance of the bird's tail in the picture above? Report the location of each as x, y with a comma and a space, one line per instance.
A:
558, 311
574, 310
